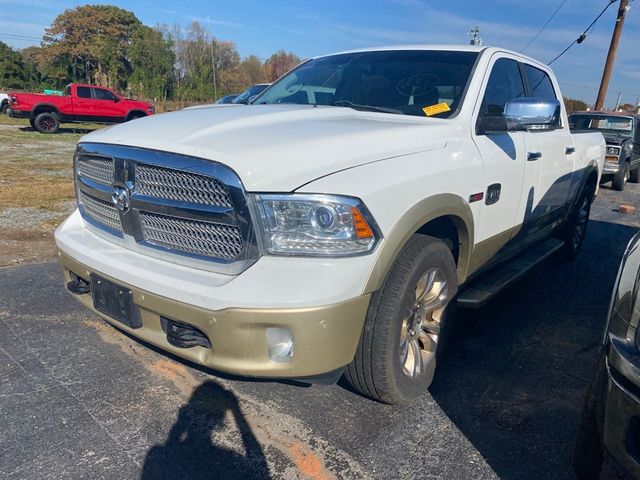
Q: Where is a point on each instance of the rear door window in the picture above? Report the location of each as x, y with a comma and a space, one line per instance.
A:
83, 92
539, 83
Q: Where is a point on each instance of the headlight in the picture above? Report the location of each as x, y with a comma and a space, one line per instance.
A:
316, 225
613, 150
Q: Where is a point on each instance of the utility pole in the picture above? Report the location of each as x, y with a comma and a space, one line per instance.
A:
618, 101
213, 65
475, 36
611, 56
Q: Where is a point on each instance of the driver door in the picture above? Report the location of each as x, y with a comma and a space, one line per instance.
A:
506, 182
107, 107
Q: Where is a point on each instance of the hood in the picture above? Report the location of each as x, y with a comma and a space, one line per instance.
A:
137, 103
613, 139
281, 147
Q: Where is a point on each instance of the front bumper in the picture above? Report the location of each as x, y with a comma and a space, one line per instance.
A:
611, 165
621, 429
233, 312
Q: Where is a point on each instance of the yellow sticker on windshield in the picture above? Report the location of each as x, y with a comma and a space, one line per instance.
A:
436, 109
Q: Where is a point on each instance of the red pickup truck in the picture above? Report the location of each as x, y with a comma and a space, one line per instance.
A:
82, 103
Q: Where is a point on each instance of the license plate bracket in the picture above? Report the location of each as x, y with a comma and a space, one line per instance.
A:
115, 301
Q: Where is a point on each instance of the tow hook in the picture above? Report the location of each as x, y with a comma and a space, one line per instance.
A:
182, 335
77, 285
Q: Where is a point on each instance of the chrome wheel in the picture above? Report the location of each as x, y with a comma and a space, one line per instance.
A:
421, 328
582, 217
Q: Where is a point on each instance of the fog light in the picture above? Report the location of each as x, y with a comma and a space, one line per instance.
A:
279, 344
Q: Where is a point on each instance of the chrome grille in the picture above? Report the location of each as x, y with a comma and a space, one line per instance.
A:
193, 236
98, 169
102, 212
190, 211
188, 187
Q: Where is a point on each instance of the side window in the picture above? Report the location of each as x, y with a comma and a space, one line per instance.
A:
539, 83
100, 94
505, 83
83, 92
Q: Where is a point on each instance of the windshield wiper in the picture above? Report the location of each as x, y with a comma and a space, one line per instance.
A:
366, 108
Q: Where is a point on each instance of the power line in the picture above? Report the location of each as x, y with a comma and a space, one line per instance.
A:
544, 26
18, 37
610, 90
584, 34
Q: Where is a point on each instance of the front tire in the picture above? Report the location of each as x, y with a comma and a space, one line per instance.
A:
47, 122
4, 106
407, 324
620, 179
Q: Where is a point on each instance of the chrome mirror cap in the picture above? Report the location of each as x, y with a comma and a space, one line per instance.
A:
532, 114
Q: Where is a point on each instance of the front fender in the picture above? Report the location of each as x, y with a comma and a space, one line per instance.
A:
428, 209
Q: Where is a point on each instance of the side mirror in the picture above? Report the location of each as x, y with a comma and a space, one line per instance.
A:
116, 99
532, 114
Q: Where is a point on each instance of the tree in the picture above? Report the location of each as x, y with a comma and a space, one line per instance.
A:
573, 105
196, 56
628, 107
12, 69
92, 42
152, 62
253, 70
280, 63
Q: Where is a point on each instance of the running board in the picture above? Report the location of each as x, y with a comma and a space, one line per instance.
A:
482, 290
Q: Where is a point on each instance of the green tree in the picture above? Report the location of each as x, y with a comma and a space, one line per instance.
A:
253, 70
152, 61
12, 69
92, 41
196, 56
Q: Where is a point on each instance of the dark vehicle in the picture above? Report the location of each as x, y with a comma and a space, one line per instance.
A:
619, 130
610, 425
254, 90
227, 98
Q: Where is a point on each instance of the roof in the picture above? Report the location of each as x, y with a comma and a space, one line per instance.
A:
452, 48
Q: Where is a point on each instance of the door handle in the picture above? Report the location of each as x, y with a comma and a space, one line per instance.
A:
569, 150
533, 156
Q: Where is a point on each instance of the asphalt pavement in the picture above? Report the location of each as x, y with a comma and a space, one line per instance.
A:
79, 399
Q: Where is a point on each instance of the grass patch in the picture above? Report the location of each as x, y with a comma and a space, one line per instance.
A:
36, 187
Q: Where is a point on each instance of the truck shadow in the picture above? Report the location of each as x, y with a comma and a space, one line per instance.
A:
190, 451
81, 131
516, 373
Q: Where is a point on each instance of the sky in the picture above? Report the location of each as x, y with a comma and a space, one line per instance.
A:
310, 28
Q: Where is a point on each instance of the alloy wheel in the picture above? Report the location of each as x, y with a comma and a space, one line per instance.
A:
421, 329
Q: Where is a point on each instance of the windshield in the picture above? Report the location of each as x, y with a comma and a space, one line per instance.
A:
252, 91
408, 82
602, 123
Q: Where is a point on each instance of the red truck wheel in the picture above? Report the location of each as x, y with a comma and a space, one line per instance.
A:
47, 122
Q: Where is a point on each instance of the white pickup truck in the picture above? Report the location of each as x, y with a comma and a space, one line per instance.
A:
330, 227
4, 102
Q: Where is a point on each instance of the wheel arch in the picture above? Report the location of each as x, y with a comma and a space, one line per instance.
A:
133, 114
44, 107
446, 216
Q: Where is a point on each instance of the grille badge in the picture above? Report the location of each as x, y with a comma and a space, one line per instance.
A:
120, 198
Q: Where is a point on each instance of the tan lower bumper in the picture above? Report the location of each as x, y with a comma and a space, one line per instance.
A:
325, 337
